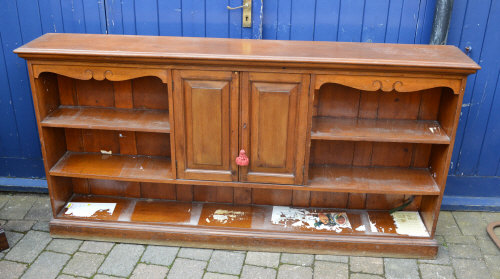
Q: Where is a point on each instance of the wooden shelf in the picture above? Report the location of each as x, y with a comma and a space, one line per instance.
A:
160, 222
119, 167
109, 119
380, 130
377, 180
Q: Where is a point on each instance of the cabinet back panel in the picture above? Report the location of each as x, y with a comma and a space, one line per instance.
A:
149, 93
232, 195
380, 154
334, 100
118, 142
140, 93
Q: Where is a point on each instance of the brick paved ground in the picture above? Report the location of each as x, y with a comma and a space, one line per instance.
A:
465, 252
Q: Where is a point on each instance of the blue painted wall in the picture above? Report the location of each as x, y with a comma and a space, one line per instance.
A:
475, 168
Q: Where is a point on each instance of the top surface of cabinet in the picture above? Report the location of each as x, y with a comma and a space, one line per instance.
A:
151, 48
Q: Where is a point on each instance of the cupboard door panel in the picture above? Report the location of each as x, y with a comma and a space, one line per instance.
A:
273, 128
206, 119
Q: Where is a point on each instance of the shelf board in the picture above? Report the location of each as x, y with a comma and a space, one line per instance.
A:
252, 217
118, 167
227, 226
139, 120
377, 180
379, 130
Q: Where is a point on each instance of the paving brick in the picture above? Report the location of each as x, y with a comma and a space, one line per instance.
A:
430, 271
487, 246
83, 264
122, 260
493, 264
96, 247
2, 254
18, 225
187, 269
28, 248
210, 275
17, 207
297, 259
159, 255
446, 224
13, 238
67, 246
460, 239
367, 265
443, 257
11, 270
287, 271
41, 209
263, 259
470, 223
464, 251
467, 269
195, 254
41, 226
257, 272
440, 239
330, 270
4, 198
226, 262
66, 276
489, 217
365, 276
47, 266
332, 258
401, 269
103, 276
149, 271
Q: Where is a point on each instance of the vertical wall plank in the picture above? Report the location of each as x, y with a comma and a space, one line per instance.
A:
193, 18
93, 12
303, 13
170, 20
375, 21
217, 19
408, 22
235, 19
326, 20
255, 32
351, 20
128, 17
114, 23
284, 19
50, 16
146, 17
270, 20
73, 17
393, 21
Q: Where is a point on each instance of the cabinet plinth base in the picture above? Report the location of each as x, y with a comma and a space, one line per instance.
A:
238, 239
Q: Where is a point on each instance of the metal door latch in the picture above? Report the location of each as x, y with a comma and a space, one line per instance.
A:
247, 12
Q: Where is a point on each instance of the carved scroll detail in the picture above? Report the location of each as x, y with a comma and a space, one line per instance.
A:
99, 73
387, 84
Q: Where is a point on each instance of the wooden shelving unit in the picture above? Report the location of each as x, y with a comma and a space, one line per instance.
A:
229, 143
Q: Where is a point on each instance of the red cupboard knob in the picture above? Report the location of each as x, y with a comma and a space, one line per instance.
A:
242, 160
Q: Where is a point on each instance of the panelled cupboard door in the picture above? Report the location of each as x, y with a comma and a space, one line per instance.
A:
273, 127
206, 124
